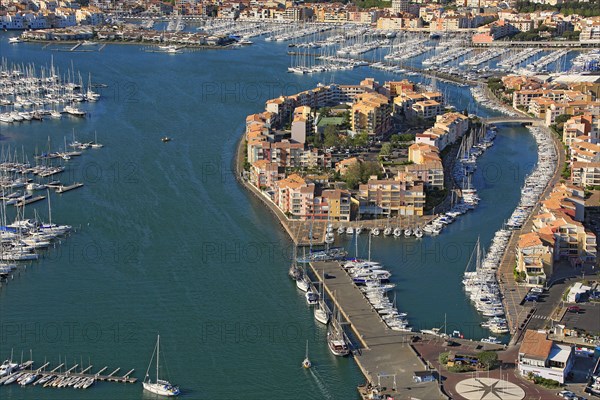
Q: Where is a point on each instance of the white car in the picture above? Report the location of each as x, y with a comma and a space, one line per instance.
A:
567, 394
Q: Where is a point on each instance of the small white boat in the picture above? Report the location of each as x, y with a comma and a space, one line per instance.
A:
375, 231
329, 238
397, 232
321, 315
350, 231
341, 230
306, 363
408, 232
387, 231
302, 284
418, 233
29, 379
491, 339
12, 379
7, 368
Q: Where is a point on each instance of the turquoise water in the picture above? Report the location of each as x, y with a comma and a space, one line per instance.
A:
167, 241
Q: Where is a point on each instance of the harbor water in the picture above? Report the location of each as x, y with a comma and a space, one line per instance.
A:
167, 241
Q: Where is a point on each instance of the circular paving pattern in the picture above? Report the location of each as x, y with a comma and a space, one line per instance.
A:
489, 389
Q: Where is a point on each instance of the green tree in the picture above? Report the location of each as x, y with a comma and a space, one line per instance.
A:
360, 140
325, 111
331, 136
316, 140
346, 123
443, 357
488, 359
368, 169
360, 173
561, 119
352, 176
386, 149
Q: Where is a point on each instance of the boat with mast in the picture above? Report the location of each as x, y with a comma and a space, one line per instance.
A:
306, 363
321, 311
160, 386
335, 339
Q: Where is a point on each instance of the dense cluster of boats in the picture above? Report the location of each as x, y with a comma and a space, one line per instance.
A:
484, 57
447, 55
536, 181
388, 230
374, 283
482, 286
175, 25
513, 60
589, 61
28, 94
22, 239
292, 33
472, 146
11, 372
481, 283
541, 63
478, 93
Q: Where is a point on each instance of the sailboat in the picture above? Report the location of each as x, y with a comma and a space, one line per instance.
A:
321, 312
306, 363
96, 145
335, 339
160, 387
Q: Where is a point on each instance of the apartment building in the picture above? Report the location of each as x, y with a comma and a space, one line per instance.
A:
542, 357
371, 114
535, 258
392, 197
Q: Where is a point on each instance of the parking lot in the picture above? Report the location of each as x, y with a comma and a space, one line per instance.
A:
587, 319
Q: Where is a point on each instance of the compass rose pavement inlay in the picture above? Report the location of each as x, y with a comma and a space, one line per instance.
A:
489, 389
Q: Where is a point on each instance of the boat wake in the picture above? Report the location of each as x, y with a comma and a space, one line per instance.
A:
320, 384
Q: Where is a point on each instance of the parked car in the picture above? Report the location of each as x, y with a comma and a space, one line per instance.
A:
573, 309
537, 290
532, 297
567, 394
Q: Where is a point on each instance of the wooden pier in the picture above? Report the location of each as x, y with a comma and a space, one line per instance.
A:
63, 189
384, 356
29, 201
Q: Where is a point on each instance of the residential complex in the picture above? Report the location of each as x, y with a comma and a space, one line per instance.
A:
285, 141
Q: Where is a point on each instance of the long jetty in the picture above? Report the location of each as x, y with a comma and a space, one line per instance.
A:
385, 356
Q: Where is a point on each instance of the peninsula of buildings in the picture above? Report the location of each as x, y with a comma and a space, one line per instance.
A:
334, 152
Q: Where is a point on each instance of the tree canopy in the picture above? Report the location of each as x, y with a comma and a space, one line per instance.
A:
360, 173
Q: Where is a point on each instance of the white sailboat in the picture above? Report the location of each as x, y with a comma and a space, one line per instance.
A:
160, 387
96, 145
321, 312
